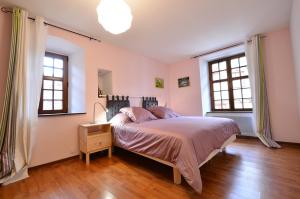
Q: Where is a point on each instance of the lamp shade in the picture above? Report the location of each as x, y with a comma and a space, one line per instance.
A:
114, 15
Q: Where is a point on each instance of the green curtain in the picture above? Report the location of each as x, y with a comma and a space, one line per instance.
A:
8, 117
261, 113
264, 126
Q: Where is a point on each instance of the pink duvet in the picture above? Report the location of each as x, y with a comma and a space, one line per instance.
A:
183, 141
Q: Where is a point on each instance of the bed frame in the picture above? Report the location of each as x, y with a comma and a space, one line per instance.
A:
116, 103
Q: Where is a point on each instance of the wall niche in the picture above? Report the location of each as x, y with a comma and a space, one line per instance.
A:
104, 83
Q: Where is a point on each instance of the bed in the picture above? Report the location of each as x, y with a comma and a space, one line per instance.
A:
183, 143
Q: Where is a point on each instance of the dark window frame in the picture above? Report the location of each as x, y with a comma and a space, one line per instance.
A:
230, 86
64, 79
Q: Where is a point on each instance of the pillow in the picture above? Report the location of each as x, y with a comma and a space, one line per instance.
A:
163, 112
120, 119
138, 114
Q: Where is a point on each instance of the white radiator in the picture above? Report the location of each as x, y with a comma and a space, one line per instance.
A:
244, 121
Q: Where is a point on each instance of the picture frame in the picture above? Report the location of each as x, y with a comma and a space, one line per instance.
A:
183, 82
159, 82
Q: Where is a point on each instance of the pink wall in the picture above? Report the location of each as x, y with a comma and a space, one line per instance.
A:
281, 84
295, 32
186, 100
132, 75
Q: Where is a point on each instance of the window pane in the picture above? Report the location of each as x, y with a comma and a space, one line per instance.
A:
237, 94
235, 72
246, 83
223, 75
217, 95
58, 73
224, 86
235, 63
236, 84
218, 104
58, 105
47, 95
215, 67
238, 103
47, 105
48, 61
58, 85
216, 76
58, 63
246, 93
225, 104
244, 71
48, 84
216, 86
243, 61
223, 65
48, 71
58, 95
225, 95
247, 103
229, 80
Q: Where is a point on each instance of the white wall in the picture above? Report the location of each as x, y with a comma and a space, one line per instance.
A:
244, 120
76, 71
295, 32
76, 82
204, 76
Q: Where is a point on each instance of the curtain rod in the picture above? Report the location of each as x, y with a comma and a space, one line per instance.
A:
224, 48
8, 10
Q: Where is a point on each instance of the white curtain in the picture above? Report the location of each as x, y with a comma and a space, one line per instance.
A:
261, 116
27, 90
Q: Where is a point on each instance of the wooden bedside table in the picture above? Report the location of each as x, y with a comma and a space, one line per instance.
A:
94, 138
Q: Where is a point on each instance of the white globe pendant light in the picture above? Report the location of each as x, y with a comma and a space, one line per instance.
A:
114, 15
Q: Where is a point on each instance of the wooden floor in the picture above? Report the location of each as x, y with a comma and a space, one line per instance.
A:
246, 170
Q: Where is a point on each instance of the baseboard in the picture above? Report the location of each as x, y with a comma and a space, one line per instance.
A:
279, 142
54, 162
289, 144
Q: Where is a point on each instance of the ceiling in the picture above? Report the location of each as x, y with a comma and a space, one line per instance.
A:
170, 30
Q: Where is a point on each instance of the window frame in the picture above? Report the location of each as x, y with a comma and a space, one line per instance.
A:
64, 79
230, 86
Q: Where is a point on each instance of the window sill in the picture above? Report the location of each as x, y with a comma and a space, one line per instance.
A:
230, 112
59, 114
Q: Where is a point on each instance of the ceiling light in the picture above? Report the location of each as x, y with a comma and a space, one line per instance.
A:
114, 15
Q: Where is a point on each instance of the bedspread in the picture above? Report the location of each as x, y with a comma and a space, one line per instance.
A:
184, 141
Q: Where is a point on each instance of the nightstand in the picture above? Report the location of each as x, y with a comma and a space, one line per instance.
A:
94, 138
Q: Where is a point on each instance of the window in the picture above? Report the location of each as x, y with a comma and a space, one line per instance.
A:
229, 84
54, 94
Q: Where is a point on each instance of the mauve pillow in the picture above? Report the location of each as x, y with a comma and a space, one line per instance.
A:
138, 114
163, 112
120, 119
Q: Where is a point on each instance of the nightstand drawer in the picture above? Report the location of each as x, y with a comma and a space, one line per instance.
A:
98, 141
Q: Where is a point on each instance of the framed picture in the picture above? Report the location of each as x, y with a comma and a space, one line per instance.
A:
183, 82
159, 83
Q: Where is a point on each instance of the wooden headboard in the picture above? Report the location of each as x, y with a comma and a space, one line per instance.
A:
114, 104
149, 102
